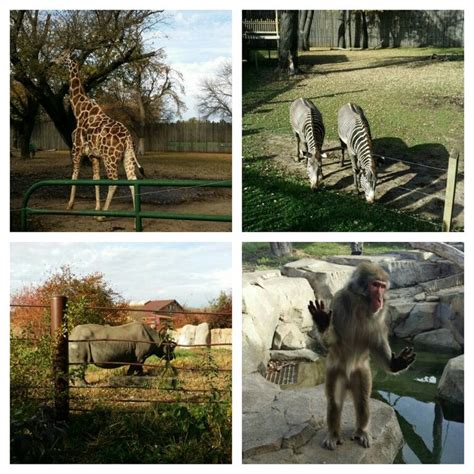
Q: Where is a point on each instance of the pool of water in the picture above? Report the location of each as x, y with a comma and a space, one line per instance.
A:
433, 431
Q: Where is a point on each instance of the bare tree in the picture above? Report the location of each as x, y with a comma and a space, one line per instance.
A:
215, 99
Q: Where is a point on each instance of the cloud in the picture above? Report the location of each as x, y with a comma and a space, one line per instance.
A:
192, 272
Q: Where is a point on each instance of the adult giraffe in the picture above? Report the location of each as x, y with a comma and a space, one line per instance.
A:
97, 136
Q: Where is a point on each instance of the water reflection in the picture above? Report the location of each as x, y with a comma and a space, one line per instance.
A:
433, 431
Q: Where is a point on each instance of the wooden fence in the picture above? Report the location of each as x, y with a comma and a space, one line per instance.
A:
189, 136
388, 28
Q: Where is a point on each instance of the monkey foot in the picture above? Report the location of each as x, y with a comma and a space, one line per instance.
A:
362, 437
330, 442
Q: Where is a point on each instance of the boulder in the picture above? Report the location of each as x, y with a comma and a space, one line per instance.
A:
255, 352
186, 336
288, 337
439, 340
422, 318
287, 426
297, 355
451, 384
202, 335
252, 278
325, 278
221, 336
397, 312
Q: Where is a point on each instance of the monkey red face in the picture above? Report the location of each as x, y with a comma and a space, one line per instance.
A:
376, 292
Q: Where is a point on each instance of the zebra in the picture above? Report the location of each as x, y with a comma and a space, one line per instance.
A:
308, 127
354, 134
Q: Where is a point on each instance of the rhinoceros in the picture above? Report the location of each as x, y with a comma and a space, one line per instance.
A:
104, 348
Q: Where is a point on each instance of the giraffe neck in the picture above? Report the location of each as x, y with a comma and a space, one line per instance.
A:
77, 94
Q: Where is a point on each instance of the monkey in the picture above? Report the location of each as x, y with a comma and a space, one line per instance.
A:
353, 330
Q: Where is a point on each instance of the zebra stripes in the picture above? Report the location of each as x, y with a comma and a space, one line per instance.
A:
308, 127
354, 134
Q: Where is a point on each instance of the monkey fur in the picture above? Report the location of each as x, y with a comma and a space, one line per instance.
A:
353, 330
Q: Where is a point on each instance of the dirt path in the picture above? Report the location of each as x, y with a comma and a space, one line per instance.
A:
56, 165
403, 186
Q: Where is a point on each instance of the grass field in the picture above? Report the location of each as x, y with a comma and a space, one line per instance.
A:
414, 101
257, 255
173, 416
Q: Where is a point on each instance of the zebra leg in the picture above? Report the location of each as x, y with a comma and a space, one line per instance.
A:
355, 172
297, 158
343, 147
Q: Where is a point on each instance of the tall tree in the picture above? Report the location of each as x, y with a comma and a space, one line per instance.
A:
215, 98
103, 41
288, 46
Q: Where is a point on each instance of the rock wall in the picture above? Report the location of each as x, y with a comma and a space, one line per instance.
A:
425, 304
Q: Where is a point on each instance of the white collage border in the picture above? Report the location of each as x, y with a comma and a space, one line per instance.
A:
237, 236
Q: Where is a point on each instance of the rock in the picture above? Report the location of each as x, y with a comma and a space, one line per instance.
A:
451, 384
288, 337
420, 297
288, 426
221, 336
325, 278
441, 340
252, 278
422, 318
255, 352
262, 308
186, 336
448, 282
202, 335
397, 312
432, 299
297, 355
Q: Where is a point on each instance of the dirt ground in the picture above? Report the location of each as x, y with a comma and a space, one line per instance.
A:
403, 186
57, 165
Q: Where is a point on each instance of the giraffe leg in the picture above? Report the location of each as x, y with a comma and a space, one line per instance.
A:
76, 165
96, 175
112, 173
129, 165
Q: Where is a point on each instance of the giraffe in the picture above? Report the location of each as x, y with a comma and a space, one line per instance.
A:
98, 136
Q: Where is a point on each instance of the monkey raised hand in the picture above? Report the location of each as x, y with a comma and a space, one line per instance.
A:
321, 318
403, 360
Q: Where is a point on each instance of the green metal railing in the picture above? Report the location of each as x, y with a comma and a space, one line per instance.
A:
137, 213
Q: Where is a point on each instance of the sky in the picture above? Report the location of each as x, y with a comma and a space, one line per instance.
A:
191, 273
196, 42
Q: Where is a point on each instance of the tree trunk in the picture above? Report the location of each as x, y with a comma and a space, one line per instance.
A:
442, 249
341, 32
288, 47
307, 29
365, 31
302, 20
280, 249
358, 27
349, 26
141, 124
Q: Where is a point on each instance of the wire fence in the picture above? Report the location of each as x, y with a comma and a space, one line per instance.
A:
186, 373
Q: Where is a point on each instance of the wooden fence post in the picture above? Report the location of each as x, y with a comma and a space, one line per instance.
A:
450, 190
59, 335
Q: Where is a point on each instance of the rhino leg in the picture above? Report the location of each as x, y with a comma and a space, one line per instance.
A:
135, 369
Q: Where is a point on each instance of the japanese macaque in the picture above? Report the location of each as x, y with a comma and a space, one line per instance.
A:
353, 330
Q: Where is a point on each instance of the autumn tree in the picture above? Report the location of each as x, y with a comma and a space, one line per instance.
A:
83, 292
103, 41
215, 97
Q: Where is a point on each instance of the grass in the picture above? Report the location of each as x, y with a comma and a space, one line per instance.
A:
257, 256
191, 427
415, 107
